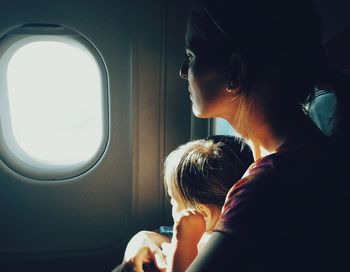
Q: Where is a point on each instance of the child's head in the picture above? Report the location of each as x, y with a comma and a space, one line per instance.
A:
199, 174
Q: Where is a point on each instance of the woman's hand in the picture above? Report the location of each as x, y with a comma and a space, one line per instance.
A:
144, 248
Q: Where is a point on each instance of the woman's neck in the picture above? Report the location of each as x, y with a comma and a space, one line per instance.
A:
263, 140
266, 135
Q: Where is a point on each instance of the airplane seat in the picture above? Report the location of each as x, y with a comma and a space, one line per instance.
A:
323, 110
329, 109
330, 106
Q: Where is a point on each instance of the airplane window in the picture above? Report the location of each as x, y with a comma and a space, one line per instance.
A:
53, 105
222, 127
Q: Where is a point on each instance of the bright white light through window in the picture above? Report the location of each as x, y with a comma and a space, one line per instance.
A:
56, 96
55, 102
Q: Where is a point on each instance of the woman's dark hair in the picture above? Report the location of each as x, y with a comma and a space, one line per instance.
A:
280, 41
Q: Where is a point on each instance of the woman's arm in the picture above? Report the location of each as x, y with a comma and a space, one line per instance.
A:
213, 253
221, 253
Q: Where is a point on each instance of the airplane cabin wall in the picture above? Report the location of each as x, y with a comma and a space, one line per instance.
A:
141, 43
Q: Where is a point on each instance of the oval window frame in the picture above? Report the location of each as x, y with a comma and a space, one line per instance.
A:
15, 39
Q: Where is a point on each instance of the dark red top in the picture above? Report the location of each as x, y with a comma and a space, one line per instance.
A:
290, 210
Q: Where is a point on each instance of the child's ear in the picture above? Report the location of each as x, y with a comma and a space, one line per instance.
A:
211, 215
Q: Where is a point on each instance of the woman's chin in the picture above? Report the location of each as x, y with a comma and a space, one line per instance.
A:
198, 113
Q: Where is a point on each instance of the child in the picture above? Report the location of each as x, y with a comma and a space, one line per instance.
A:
198, 176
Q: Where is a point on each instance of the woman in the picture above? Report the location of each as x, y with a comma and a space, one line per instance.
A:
255, 63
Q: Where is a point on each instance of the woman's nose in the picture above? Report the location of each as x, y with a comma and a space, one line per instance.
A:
184, 70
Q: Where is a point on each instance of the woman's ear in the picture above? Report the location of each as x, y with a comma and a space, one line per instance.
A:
236, 72
211, 214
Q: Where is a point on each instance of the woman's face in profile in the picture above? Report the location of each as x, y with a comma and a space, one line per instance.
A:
204, 70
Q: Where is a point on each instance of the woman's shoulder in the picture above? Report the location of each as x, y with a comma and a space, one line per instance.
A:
257, 171
249, 190
295, 172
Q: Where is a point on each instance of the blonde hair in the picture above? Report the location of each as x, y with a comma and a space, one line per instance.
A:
203, 171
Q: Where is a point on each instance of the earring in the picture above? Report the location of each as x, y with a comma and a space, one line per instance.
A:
236, 73
231, 85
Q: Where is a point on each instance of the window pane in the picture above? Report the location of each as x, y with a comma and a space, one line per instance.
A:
54, 94
222, 127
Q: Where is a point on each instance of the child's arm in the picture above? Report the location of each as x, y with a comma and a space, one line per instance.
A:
156, 237
188, 230
143, 250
